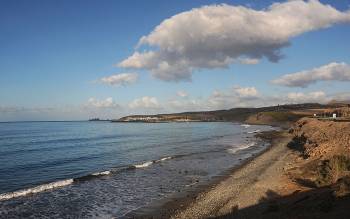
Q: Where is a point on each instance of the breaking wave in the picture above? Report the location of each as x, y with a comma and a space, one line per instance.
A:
165, 158
245, 125
36, 189
103, 173
149, 163
62, 183
143, 165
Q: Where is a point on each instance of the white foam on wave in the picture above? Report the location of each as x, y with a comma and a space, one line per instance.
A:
143, 165
245, 125
165, 158
255, 131
102, 173
37, 189
192, 184
241, 147
149, 163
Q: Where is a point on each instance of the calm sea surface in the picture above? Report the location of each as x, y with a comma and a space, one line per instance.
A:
104, 170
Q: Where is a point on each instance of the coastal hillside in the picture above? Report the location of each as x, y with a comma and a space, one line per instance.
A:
320, 175
275, 115
325, 148
321, 138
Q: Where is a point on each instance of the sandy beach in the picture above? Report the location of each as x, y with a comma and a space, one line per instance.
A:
244, 186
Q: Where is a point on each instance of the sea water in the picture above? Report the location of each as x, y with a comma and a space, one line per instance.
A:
105, 170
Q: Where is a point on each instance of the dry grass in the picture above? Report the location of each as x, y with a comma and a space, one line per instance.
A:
329, 171
283, 116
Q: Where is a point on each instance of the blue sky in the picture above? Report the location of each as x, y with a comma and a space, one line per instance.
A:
53, 54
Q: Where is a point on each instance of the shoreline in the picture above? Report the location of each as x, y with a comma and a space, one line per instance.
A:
177, 203
305, 173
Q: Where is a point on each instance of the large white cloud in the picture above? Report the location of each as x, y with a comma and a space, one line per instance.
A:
331, 72
145, 102
218, 35
120, 79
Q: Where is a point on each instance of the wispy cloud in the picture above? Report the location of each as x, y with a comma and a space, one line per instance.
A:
246, 92
145, 102
102, 104
120, 79
217, 36
19, 109
218, 99
182, 93
311, 97
331, 72
249, 97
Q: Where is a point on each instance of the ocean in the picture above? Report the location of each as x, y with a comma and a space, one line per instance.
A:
105, 170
